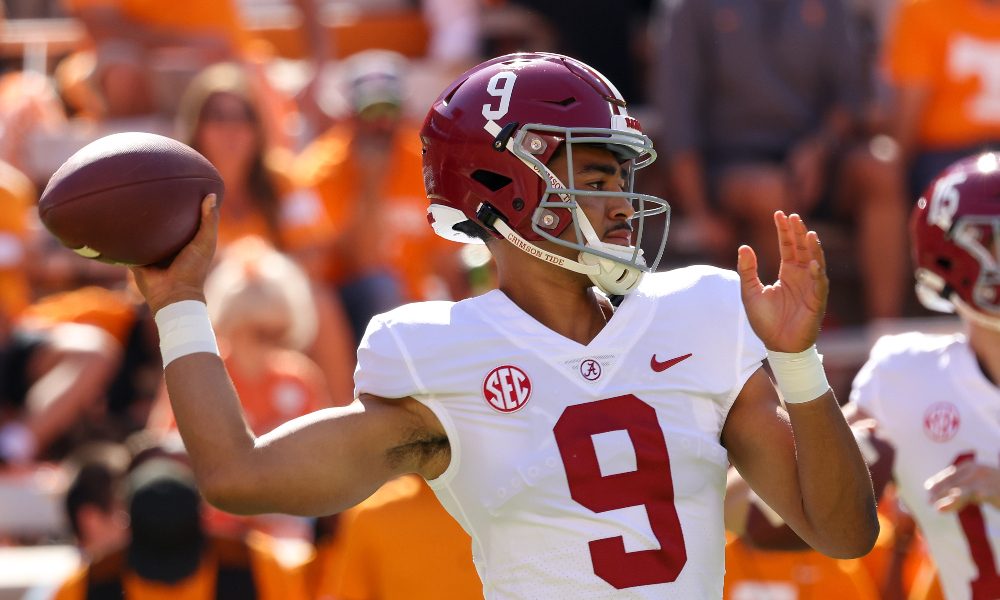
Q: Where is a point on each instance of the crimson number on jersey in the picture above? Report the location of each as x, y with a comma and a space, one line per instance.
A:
649, 485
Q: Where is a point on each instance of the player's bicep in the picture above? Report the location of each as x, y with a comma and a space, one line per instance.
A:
329, 460
758, 436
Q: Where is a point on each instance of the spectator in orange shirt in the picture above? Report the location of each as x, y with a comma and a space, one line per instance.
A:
170, 556
942, 58
367, 170
400, 544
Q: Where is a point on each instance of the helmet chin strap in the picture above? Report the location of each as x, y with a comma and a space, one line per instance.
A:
612, 277
560, 261
615, 278
972, 315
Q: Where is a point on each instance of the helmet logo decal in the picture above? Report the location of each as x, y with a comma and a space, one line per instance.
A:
501, 86
944, 202
506, 389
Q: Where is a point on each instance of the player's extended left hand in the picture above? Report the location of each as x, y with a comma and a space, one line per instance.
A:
957, 486
787, 314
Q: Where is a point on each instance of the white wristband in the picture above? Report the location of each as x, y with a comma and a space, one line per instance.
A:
184, 329
799, 375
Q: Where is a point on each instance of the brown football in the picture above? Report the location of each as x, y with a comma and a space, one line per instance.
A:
129, 198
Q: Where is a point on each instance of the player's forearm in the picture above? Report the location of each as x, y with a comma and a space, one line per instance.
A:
837, 499
211, 423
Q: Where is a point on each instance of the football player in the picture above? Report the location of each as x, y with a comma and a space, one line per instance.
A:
935, 399
578, 421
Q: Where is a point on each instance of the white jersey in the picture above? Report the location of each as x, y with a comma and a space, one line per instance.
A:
580, 471
935, 406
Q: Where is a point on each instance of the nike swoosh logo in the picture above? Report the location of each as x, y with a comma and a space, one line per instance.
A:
659, 367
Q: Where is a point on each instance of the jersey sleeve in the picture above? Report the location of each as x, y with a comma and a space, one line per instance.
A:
865, 391
384, 367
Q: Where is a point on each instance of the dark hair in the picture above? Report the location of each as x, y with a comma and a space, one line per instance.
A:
473, 229
93, 485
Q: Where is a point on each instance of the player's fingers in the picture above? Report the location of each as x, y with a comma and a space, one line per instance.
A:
746, 266
943, 479
209, 227
816, 249
786, 244
801, 247
953, 501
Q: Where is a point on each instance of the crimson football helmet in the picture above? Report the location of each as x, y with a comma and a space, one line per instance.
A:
956, 240
488, 138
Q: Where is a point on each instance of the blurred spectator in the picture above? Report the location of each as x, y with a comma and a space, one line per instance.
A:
943, 58
224, 116
761, 101
17, 199
133, 38
262, 309
144, 52
221, 117
94, 508
28, 104
611, 41
376, 248
49, 380
755, 573
170, 556
124, 404
765, 559
400, 544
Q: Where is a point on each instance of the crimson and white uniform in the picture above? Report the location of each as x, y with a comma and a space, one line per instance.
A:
580, 471
935, 406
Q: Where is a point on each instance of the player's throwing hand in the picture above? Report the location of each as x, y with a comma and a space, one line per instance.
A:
184, 279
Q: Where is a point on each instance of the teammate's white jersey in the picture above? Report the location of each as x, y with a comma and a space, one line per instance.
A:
934, 405
580, 471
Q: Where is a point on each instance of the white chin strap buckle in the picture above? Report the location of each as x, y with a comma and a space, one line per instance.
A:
614, 278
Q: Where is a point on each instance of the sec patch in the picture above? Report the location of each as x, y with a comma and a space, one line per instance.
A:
507, 389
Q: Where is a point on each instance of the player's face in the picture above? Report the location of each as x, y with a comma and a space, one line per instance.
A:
598, 169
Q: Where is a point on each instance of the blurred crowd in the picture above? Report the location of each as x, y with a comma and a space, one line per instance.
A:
840, 110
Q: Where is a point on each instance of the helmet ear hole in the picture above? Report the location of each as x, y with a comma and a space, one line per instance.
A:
493, 181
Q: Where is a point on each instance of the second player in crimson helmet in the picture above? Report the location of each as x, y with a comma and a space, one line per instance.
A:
956, 240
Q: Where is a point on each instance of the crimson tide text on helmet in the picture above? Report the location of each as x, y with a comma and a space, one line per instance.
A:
955, 228
488, 138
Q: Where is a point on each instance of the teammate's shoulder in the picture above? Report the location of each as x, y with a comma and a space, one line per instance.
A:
912, 345
694, 277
